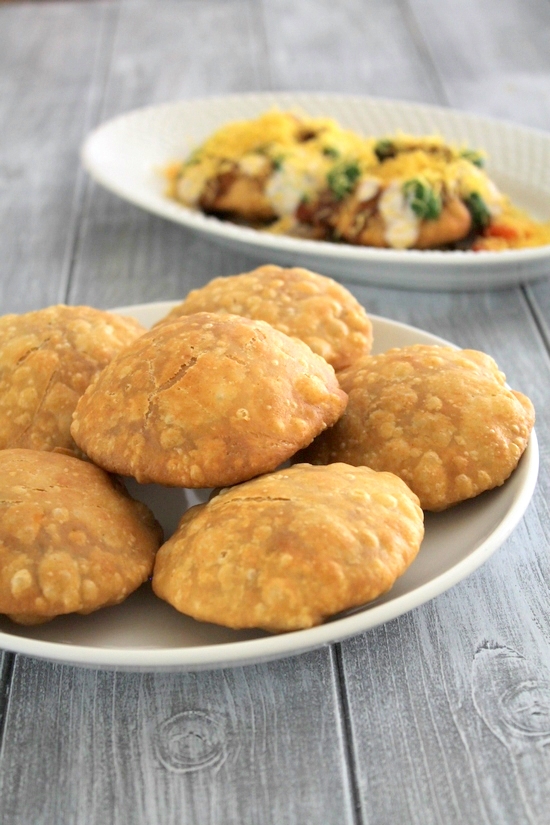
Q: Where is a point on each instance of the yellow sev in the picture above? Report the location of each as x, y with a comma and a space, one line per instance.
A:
278, 129
275, 133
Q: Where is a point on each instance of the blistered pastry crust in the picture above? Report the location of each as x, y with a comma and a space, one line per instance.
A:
47, 359
300, 303
291, 548
441, 419
71, 539
206, 401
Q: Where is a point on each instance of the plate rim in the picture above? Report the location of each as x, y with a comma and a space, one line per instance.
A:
271, 647
462, 261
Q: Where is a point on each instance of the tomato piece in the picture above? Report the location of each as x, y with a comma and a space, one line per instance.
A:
502, 230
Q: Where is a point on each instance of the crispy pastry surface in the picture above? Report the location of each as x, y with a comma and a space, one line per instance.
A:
47, 359
291, 548
441, 419
71, 539
300, 303
207, 401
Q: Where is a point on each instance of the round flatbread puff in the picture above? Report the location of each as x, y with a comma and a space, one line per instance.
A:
47, 359
300, 303
289, 549
442, 419
71, 539
207, 401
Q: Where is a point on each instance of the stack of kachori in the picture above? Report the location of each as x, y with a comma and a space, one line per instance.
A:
261, 385
71, 539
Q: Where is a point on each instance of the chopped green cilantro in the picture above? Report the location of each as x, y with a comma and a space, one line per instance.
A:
474, 157
385, 149
478, 210
193, 159
331, 152
422, 199
343, 177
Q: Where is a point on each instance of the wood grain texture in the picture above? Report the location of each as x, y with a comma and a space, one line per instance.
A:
491, 57
48, 92
459, 698
431, 752
259, 744
440, 716
349, 47
6, 668
539, 296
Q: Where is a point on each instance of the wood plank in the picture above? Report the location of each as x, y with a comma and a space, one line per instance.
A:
430, 741
348, 47
46, 108
458, 717
126, 255
183, 49
6, 666
255, 744
491, 57
539, 296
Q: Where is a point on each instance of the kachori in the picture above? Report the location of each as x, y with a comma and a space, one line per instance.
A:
207, 400
47, 359
289, 549
71, 538
296, 301
441, 419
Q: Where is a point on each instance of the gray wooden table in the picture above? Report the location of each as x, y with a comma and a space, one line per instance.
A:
407, 723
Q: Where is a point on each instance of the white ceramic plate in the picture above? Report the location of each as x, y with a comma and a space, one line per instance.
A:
147, 634
126, 155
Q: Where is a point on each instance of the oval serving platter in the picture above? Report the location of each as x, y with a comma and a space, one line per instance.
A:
126, 155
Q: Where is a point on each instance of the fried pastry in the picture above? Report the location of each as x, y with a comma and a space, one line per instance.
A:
289, 549
205, 401
300, 303
441, 419
71, 539
47, 359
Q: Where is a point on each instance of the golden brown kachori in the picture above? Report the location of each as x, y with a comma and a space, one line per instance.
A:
71, 538
289, 549
206, 401
440, 418
296, 301
47, 359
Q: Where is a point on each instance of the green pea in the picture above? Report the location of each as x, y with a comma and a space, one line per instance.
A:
422, 199
343, 177
477, 207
